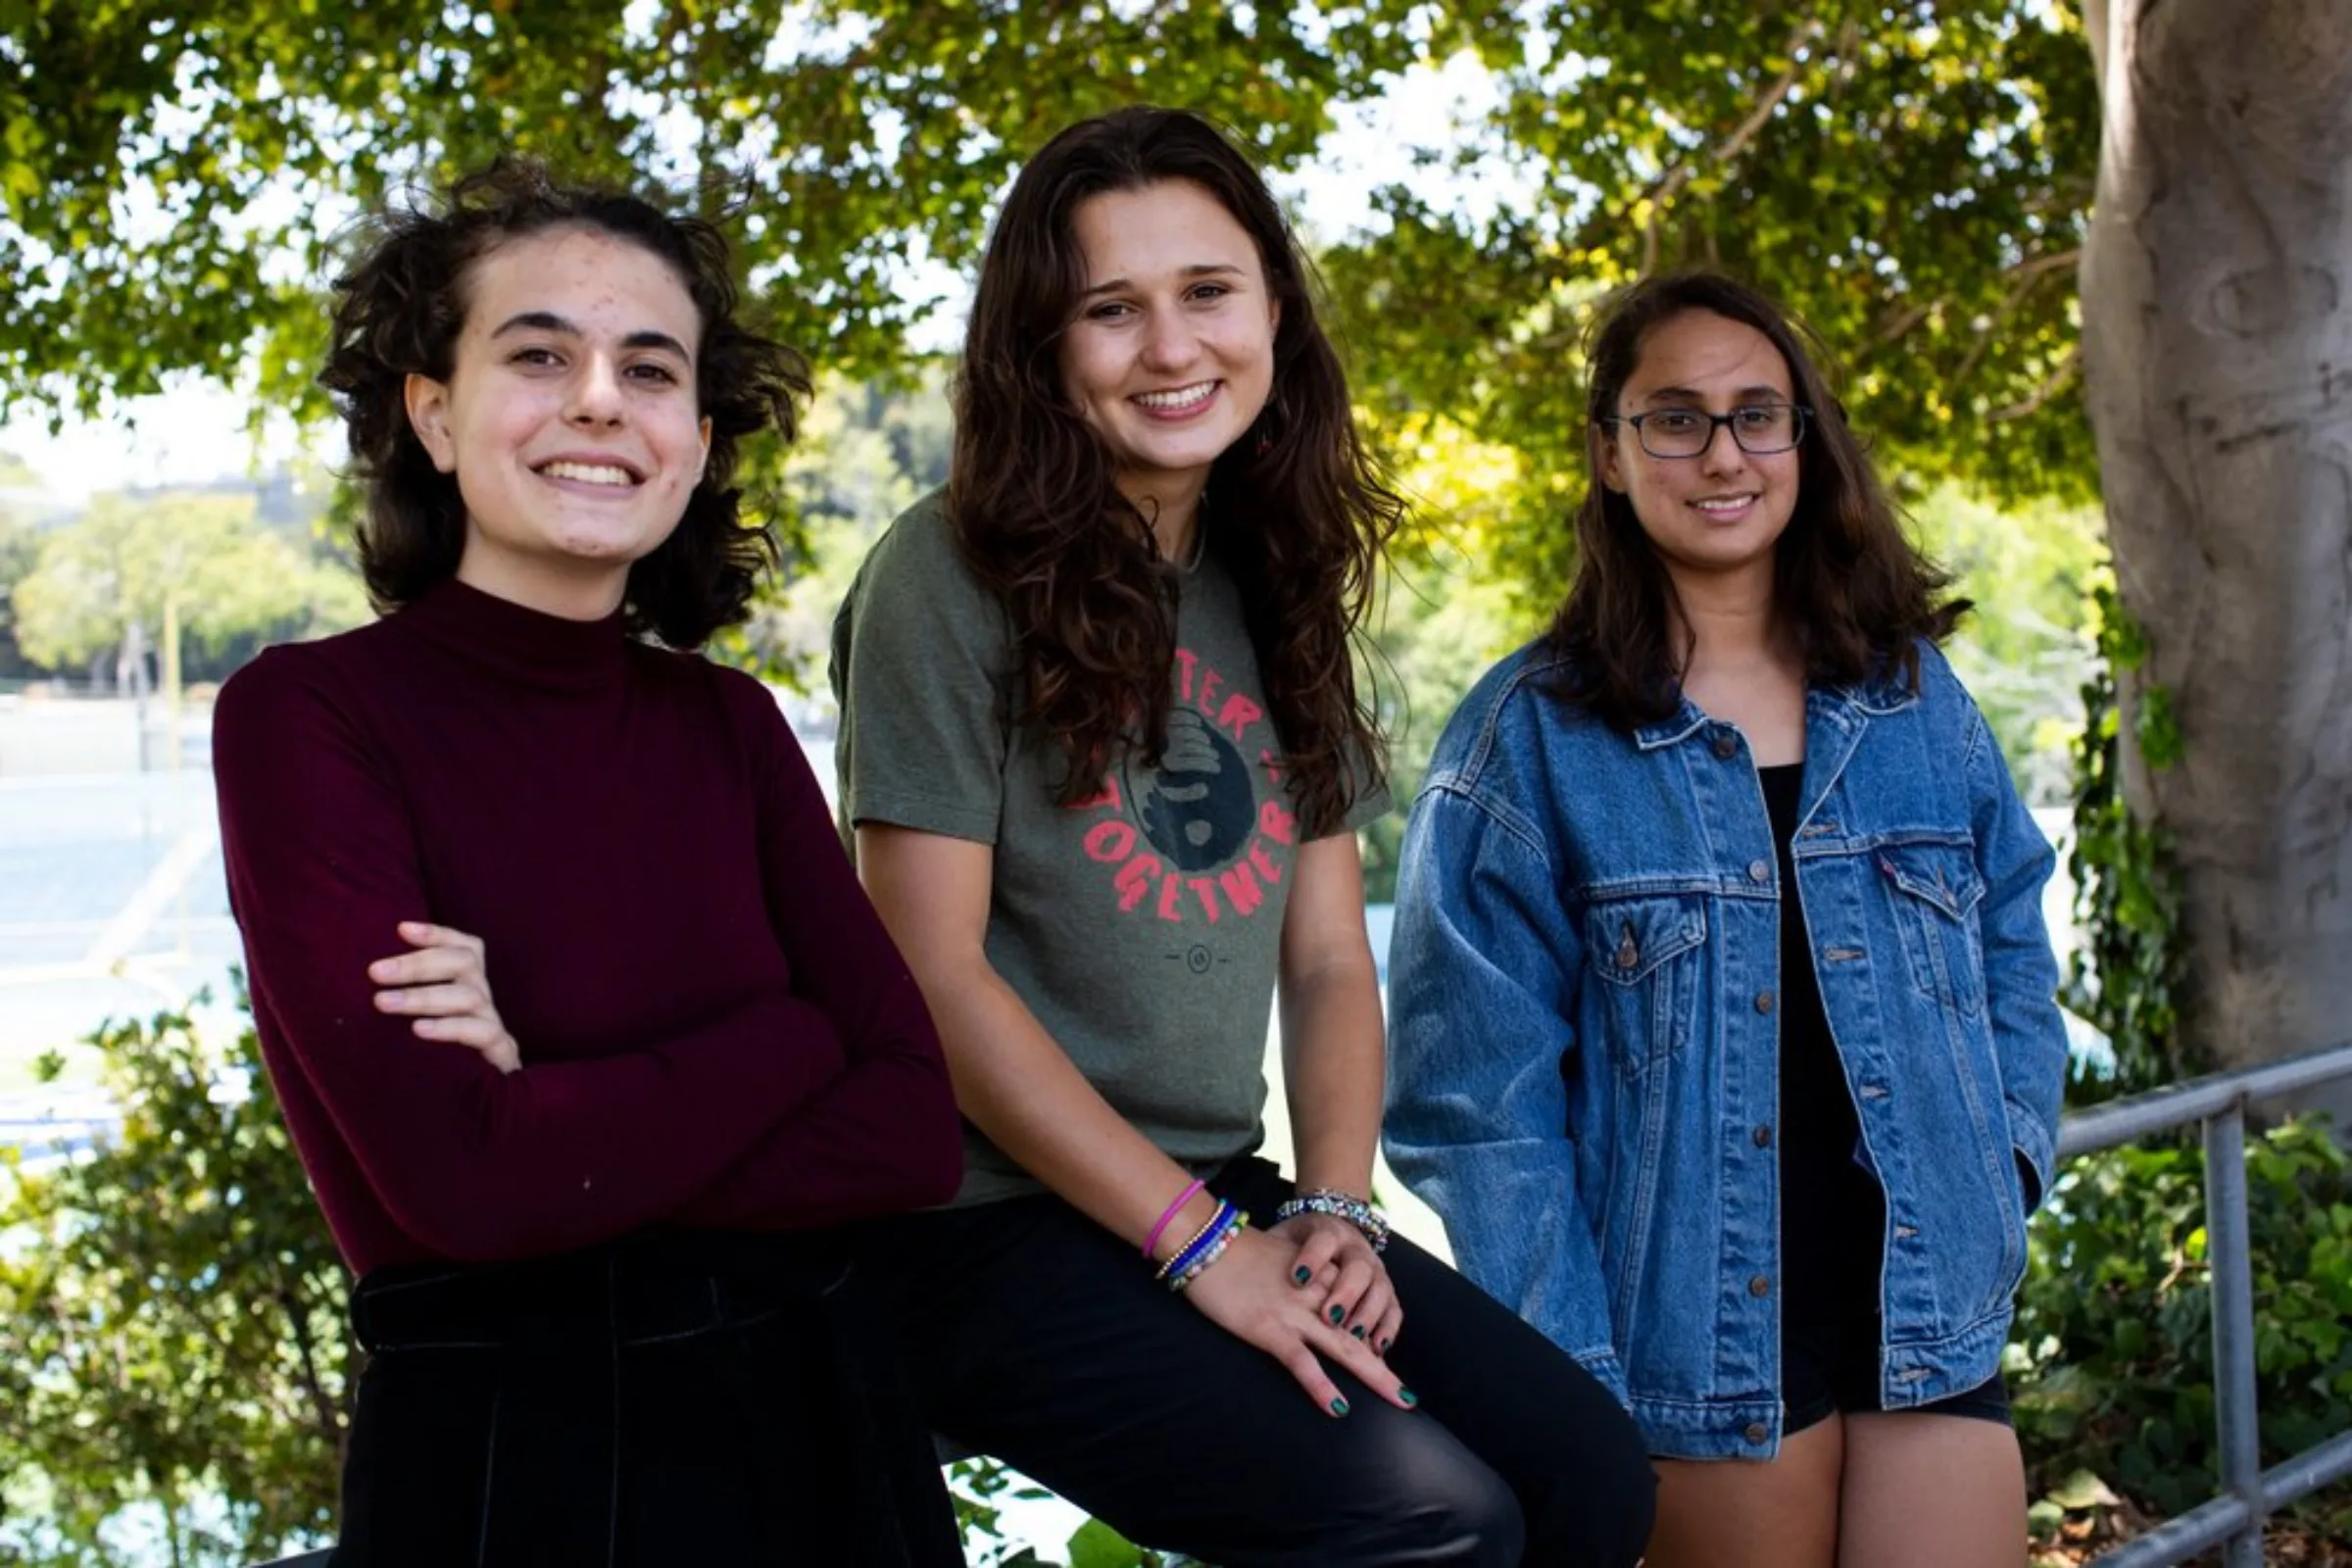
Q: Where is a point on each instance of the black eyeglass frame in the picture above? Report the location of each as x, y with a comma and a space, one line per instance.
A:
1715, 422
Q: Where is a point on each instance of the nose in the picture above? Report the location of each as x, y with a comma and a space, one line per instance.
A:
1723, 454
1169, 342
596, 392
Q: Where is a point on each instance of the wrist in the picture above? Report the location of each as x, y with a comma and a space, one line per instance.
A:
1340, 1205
1224, 1227
1169, 1218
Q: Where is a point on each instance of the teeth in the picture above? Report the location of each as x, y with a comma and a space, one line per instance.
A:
588, 473
1183, 397
1724, 504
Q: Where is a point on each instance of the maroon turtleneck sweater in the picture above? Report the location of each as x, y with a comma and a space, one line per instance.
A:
715, 1030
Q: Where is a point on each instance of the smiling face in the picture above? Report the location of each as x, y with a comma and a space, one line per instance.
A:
569, 418
1721, 511
1170, 351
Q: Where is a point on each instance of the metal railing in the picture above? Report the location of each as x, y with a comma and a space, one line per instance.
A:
2233, 1520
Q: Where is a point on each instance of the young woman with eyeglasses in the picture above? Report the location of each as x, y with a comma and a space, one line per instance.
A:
1722, 1003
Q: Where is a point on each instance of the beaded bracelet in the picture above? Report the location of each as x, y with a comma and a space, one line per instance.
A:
1340, 1205
1209, 1255
1217, 1221
1219, 1226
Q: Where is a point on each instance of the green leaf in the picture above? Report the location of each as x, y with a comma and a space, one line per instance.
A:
2082, 1490
1096, 1545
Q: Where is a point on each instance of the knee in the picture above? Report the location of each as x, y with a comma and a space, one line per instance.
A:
1460, 1514
1598, 1514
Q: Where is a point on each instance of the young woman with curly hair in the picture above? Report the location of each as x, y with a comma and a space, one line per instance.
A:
1103, 754
1724, 1035
606, 1315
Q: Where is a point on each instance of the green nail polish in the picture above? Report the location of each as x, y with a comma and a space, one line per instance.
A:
1338, 1406
1382, 1346
1409, 1397
1357, 1331
1302, 1274
1338, 1312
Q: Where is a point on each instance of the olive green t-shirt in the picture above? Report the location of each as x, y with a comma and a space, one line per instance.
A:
1142, 926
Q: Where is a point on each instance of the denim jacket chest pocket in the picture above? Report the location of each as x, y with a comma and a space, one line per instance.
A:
1646, 950
1935, 889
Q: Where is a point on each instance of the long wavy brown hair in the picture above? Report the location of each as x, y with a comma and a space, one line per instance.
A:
399, 309
1296, 511
1847, 581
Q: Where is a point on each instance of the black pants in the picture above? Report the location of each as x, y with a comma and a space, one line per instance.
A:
664, 1400
1035, 1336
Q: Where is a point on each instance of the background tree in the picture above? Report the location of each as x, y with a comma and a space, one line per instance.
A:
19, 549
138, 572
2219, 342
1914, 175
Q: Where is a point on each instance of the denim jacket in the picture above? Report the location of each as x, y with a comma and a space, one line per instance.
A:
1585, 1057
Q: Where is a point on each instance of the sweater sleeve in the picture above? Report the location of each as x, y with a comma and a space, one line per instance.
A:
474, 1164
884, 1136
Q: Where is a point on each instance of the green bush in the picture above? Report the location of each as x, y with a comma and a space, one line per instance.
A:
174, 1354
2112, 1361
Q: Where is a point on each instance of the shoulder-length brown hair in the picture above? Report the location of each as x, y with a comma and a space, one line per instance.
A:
1847, 581
1296, 510
399, 309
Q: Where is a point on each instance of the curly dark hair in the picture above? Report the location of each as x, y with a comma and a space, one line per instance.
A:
399, 308
1849, 582
1301, 519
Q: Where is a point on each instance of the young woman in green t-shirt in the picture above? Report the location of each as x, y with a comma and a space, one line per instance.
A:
1103, 751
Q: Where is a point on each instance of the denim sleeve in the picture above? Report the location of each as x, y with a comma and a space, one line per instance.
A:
2021, 972
1483, 978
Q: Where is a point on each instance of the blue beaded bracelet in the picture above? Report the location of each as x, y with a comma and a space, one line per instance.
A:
1219, 1223
1209, 1255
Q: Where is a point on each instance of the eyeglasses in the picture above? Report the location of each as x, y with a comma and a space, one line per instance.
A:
1759, 428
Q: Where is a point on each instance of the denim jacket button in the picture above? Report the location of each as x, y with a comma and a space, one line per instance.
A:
1763, 1002
1763, 1135
1725, 745
1629, 952
1759, 870
1757, 1432
1760, 1286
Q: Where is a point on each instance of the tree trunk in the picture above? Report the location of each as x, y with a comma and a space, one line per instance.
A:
2217, 333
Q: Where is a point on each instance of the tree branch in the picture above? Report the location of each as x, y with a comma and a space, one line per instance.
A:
2024, 278
1672, 181
1898, 324
1680, 176
297, 1310
2051, 385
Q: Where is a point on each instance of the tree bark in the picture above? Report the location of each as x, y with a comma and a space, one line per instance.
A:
2217, 330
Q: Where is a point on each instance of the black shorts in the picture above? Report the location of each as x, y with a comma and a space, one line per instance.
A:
1824, 1373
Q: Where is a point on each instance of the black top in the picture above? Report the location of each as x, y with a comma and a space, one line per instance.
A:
1833, 1210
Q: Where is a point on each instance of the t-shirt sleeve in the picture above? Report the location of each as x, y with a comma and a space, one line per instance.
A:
921, 669
884, 1136
474, 1164
1372, 800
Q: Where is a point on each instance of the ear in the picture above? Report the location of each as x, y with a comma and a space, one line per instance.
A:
1612, 464
1273, 314
427, 402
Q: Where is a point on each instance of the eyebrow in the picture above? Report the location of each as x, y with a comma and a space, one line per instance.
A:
1119, 286
1688, 395
550, 322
